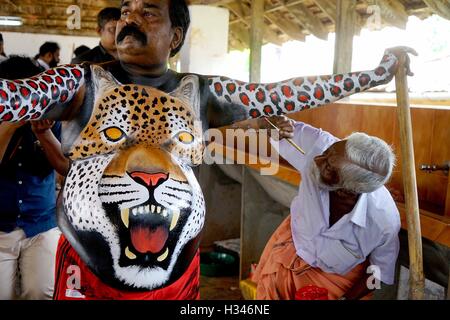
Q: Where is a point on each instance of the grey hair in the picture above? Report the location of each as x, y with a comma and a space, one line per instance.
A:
370, 163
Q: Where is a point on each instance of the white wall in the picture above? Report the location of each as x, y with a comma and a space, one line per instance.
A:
206, 44
28, 43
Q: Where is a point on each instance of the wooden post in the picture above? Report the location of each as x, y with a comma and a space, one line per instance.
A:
416, 277
447, 199
257, 29
345, 29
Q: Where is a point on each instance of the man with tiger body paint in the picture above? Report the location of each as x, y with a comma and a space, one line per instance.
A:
131, 209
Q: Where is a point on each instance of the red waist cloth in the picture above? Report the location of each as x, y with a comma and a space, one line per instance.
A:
92, 288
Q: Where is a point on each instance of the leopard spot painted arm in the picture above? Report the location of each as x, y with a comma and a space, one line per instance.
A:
297, 93
32, 98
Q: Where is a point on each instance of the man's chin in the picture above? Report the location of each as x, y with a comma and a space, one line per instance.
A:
128, 53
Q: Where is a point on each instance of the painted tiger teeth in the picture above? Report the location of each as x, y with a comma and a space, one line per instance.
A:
163, 256
130, 255
175, 217
154, 209
125, 215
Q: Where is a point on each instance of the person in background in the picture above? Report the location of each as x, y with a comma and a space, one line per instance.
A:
28, 232
48, 56
106, 50
3, 55
342, 221
80, 50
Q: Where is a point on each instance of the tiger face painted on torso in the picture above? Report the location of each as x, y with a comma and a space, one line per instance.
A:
132, 207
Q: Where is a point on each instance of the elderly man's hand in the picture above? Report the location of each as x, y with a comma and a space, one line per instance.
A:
283, 123
402, 51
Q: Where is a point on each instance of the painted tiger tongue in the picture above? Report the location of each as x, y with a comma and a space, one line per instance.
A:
145, 239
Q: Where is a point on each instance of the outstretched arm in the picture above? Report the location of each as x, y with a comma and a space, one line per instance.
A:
42, 96
236, 99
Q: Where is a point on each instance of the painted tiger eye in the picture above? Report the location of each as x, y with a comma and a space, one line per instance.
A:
114, 134
185, 137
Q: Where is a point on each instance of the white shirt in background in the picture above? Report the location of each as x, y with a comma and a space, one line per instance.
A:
43, 64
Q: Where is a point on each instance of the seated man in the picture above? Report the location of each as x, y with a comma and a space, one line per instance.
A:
342, 220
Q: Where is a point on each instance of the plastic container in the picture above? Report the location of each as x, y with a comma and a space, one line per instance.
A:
218, 264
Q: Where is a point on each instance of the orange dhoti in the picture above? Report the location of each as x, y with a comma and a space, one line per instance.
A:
281, 272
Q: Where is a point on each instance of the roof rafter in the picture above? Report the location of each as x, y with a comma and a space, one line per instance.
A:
441, 7
310, 22
393, 13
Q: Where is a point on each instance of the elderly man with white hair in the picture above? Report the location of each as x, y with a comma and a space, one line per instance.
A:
342, 234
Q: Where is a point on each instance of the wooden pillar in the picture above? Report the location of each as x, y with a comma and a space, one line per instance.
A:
345, 29
256, 38
416, 277
447, 199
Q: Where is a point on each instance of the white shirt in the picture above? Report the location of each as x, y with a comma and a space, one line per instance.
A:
43, 64
369, 230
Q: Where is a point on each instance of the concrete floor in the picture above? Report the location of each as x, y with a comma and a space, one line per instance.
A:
220, 288
227, 288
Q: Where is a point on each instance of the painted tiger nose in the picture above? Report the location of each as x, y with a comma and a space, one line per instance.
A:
150, 179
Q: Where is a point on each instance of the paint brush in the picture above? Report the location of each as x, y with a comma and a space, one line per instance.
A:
288, 139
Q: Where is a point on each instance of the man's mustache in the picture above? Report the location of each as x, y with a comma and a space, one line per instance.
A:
131, 31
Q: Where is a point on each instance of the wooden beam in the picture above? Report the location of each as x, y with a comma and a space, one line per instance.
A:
212, 2
286, 26
269, 34
345, 26
40, 29
393, 13
34, 7
242, 35
286, 3
309, 21
328, 7
12, 4
289, 26
416, 276
256, 39
275, 8
440, 7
